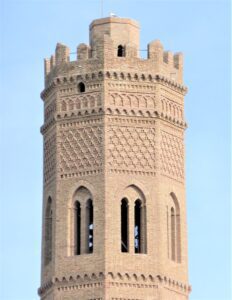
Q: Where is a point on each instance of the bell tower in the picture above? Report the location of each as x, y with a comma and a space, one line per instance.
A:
114, 204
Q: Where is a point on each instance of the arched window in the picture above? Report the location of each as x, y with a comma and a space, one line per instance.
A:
81, 87
139, 227
77, 228
124, 226
175, 230
121, 51
89, 219
48, 232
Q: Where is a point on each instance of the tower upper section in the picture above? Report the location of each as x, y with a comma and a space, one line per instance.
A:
123, 32
114, 43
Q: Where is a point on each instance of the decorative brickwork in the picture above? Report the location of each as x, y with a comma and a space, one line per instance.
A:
172, 109
172, 156
114, 213
132, 100
72, 103
131, 148
49, 158
80, 149
50, 111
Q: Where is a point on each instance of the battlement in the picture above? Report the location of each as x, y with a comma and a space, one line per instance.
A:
115, 42
61, 56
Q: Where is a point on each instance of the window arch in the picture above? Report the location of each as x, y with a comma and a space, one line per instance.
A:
82, 222
77, 228
89, 229
48, 232
175, 229
121, 51
124, 226
81, 87
133, 220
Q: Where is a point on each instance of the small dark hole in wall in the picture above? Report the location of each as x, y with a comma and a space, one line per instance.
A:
121, 51
81, 87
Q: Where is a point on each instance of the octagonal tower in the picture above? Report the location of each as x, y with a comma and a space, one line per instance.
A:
114, 205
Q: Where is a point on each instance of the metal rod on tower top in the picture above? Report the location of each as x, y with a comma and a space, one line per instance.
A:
102, 8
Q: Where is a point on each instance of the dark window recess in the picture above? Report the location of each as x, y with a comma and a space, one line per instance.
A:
124, 226
81, 87
137, 228
89, 215
77, 228
121, 51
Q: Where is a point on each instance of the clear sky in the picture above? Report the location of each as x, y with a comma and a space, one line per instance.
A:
30, 30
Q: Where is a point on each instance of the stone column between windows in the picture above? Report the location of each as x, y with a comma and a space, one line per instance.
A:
143, 229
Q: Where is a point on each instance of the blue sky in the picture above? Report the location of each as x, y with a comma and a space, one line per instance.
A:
29, 32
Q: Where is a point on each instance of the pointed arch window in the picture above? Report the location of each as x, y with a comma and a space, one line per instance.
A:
77, 228
48, 232
89, 219
175, 230
124, 226
121, 51
140, 227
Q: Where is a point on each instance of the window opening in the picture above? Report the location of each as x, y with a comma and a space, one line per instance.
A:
175, 224
137, 228
77, 228
121, 51
81, 87
89, 216
124, 225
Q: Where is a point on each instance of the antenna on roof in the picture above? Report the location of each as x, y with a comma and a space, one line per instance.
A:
102, 8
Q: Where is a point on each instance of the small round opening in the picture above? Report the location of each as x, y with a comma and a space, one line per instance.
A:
81, 87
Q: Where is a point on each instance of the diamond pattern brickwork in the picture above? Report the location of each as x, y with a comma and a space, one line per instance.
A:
80, 150
49, 157
131, 149
172, 156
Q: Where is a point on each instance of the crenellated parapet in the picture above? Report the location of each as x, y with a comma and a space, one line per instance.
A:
114, 42
62, 53
168, 63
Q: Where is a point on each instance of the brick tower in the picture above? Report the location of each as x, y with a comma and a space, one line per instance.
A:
114, 209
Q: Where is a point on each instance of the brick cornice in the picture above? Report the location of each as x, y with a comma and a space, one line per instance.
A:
113, 279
